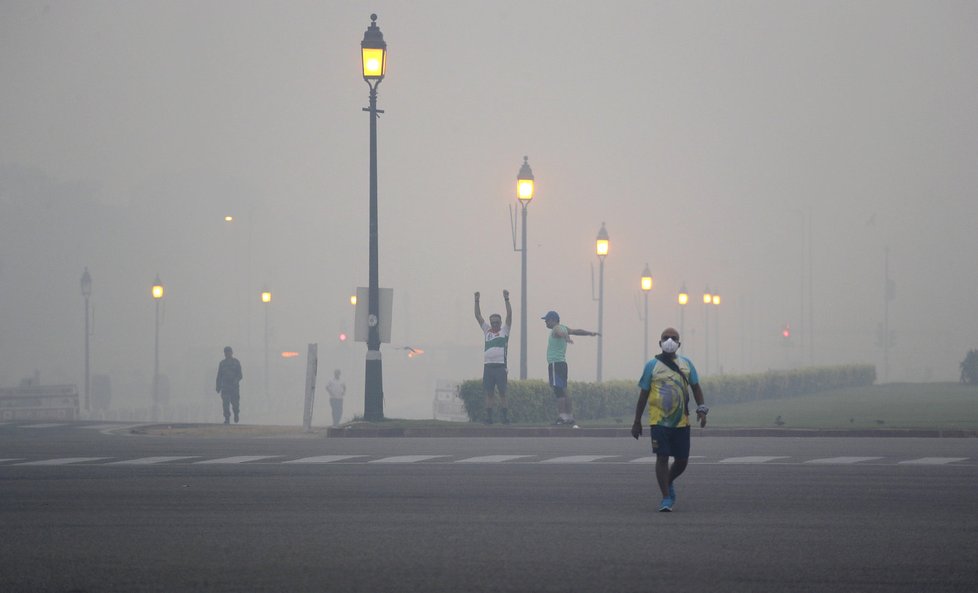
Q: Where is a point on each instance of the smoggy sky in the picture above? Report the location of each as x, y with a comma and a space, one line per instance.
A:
769, 150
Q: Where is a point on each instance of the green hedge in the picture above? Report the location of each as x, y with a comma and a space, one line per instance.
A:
532, 401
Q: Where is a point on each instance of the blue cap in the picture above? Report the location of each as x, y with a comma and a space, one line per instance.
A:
551, 315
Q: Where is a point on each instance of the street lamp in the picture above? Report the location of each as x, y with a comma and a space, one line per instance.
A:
266, 299
373, 50
601, 249
86, 290
157, 292
683, 300
707, 301
524, 193
646, 288
716, 334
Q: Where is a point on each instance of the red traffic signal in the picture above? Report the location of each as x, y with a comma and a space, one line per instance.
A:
786, 332
342, 336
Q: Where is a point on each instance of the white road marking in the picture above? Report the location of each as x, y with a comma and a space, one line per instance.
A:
933, 460
152, 460
577, 458
11, 459
492, 458
63, 461
48, 425
237, 459
101, 426
752, 459
323, 459
842, 460
406, 458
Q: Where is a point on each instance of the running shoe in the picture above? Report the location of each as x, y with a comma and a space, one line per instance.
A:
666, 506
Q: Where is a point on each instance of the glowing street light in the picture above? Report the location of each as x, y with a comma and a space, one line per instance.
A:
157, 293
373, 51
646, 288
524, 194
601, 247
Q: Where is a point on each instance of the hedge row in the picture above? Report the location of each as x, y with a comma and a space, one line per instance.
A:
532, 401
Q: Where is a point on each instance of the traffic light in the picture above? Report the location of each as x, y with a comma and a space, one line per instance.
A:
786, 332
343, 336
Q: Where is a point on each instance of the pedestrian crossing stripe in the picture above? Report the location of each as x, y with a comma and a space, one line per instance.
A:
577, 458
842, 460
63, 461
46, 425
406, 458
152, 460
492, 458
753, 459
324, 459
933, 460
237, 459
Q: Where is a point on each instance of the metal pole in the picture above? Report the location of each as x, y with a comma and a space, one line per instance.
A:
523, 302
682, 322
266, 353
706, 338
88, 381
886, 313
600, 317
156, 364
647, 326
373, 397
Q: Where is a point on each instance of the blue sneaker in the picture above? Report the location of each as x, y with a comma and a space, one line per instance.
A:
666, 506
672, 492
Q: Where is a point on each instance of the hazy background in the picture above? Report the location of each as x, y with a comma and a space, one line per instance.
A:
708, 136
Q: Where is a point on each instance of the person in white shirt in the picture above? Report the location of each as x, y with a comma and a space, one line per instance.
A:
336, 389
496, 345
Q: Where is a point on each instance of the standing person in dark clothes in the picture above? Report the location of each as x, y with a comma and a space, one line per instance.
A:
228, 377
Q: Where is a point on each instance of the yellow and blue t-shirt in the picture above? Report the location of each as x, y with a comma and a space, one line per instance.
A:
668, 396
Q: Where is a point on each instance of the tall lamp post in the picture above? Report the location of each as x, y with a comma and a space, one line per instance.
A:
266, 299
707, 301
86, 290
601, 249
646, 288
716, 335
373, 51
157, 293
524, 193
683, 300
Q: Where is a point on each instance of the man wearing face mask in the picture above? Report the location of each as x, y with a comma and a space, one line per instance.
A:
665, 385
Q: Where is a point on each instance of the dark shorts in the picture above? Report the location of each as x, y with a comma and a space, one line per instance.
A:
671, 442
494, 376
557, 371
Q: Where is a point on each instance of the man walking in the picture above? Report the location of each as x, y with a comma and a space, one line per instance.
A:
228, 377
336, 389
664, 386
560, 336
496, 347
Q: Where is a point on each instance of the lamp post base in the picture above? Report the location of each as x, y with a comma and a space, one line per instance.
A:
373, 403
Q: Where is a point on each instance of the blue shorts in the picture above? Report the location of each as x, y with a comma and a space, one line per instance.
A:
557, 372
670, 442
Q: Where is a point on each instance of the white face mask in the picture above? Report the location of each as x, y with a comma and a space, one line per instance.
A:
669, 346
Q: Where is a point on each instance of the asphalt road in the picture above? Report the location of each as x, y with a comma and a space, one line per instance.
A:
87, 510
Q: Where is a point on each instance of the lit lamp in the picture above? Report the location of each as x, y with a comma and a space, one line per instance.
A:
228, 218
157, 292
683, 300
707, 300
373, 52
601, 245
646, 288
524, 193
353, 299
266, 298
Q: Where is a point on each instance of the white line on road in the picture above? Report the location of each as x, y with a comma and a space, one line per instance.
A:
152, 460
63, 461
11, 459
48, 425
752, 459
323, 459
238, 459
842, 460
577, 458
103, 426
492, 458
406, 458
933, 460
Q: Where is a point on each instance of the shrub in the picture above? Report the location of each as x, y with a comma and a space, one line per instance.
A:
969, 368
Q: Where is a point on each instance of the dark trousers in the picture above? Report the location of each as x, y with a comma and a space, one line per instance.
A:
337, 406
230, 398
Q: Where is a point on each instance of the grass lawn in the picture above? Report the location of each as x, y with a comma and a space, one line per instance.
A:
944, 406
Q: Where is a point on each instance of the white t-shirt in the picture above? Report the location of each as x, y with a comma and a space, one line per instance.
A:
336, 389
496, 343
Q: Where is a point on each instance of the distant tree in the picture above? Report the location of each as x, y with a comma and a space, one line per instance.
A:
969, 368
